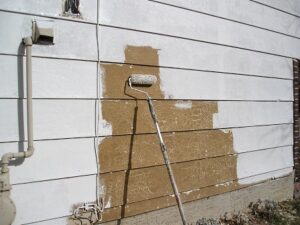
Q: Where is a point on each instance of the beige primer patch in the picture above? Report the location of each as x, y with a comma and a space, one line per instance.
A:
145, 148
136, 208
121, 113
153, 182
135, 179
115, 76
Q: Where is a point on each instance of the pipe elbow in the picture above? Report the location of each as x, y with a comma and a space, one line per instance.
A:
6, 158
29, 152
27, 41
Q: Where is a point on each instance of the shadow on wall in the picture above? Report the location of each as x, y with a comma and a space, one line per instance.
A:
127, 175
133, 175
132, 171
20, 106
133, 53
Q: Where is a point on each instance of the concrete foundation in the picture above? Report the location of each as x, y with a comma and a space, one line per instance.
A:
213, 207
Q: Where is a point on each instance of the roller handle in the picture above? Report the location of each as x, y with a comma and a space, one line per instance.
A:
151, 108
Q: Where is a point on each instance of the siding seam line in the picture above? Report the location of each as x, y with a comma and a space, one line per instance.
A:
144, 65
171, 5
196, 40
163, 132
224, 18
160, 165
265, 181
274, 8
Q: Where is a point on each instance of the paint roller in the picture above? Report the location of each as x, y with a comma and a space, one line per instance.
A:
147, 81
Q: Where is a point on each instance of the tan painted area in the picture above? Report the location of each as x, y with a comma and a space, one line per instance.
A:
134, 177
228, 197
232, 200
153, 182
145, 55
145, 149
115, 76
127, 115
136, 208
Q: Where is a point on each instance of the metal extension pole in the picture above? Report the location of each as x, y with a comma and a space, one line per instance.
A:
166, 159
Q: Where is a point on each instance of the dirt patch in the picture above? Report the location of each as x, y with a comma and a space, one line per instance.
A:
261, 213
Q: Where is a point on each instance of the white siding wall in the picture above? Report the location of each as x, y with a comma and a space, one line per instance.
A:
235, 52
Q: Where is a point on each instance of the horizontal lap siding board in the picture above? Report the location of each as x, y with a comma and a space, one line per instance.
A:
57, 198
190, 115
236, 199
288, 6
68, 43
179, 53
208, 57
160, 53
53, 159
187, 84
52, 78
209, 211
187, 146
54, 8
77, 79
163, 19
152, 182
52, 119
53, 186
78, 154
64, 77
248, 12
240, 11
51, 199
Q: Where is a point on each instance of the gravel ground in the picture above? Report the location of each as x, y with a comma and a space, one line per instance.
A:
261, 213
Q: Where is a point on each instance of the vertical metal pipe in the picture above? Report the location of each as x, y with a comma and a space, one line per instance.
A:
28, 45
29, 93
9, 215
30, 149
